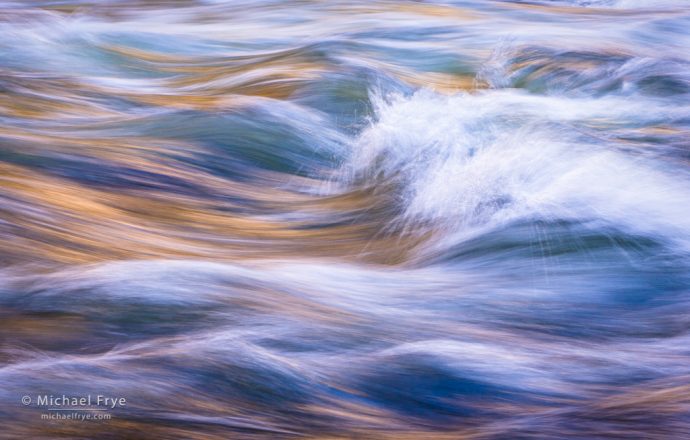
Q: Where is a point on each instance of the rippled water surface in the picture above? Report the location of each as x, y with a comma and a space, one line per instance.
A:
346, 220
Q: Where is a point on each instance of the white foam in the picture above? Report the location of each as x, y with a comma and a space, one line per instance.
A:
472, 162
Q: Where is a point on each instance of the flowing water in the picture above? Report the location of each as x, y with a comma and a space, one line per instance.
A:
377, 219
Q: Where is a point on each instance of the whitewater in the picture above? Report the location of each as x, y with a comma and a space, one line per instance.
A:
346, 220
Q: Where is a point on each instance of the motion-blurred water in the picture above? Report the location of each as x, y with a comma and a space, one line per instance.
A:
375, 220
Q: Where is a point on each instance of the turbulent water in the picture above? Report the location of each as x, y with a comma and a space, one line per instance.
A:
330, 220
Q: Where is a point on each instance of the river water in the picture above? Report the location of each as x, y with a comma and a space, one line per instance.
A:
334, 220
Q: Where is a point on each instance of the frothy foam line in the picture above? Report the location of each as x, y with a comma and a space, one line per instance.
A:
481, 161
